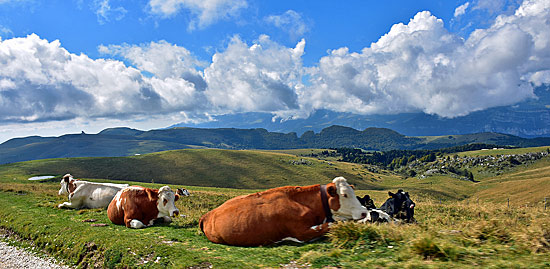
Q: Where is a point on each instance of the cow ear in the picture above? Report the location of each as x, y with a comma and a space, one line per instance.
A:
391, 194
353, 187
331, 190
176, 197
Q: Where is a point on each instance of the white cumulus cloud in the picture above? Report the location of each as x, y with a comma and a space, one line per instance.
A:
41, 81
162, 59
262, 77
461, 10
420, 66
204, 12
417, 66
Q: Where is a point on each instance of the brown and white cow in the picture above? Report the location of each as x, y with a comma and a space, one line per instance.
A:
286, 213
138, 207
85, 194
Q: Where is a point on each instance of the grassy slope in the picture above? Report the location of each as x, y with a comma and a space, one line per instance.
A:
216, 168
449, 234
524, 186
494, 152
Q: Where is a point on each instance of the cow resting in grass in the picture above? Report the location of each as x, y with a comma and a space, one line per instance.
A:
138, 207
285, 213
399, 206
375, 215
85, 194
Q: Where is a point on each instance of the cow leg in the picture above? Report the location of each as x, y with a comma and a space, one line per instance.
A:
310, 233
134, 223
71, 204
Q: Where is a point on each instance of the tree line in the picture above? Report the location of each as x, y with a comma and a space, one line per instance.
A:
394, 159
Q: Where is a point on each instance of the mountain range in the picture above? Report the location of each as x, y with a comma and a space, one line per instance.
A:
126, 142
530, 118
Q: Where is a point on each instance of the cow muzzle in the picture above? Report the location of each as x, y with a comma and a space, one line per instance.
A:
175, 213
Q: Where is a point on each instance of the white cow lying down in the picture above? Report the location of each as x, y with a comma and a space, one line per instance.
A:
85, 194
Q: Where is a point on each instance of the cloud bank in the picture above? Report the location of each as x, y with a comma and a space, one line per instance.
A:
418, 66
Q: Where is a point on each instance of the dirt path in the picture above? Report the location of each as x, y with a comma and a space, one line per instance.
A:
14, 257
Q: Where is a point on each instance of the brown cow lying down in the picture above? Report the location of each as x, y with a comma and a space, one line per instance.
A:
139, 207
285, 213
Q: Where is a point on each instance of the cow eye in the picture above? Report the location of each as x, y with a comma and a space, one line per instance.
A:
345, 195
165, 202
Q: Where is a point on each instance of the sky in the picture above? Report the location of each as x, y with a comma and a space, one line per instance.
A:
68, 66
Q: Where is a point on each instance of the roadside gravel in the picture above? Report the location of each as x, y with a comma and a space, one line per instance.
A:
13, 257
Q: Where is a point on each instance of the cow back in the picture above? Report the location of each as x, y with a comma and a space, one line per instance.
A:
133, 203
265, 217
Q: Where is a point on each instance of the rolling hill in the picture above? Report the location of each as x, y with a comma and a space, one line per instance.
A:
127, 142
251, 169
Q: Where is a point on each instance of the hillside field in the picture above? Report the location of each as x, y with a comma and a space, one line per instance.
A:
460, 223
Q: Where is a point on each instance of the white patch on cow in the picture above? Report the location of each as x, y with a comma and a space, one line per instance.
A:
350, 207
168, 209
316, 227
382, 217
133, 188
118, 200
136, 224
290, 239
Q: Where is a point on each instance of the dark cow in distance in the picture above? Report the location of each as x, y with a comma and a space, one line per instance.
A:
138, 207
285, 213
399, 206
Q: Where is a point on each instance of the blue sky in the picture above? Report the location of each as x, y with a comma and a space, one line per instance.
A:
81, 26
72, 65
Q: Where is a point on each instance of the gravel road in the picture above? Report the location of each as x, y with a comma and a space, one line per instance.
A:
13, 257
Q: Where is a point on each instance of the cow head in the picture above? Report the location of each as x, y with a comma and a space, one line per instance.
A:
401, 206
166, 202
366, 201
67, 185
182, 192
343, 202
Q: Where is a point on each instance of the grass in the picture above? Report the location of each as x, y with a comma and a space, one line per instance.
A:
494, 152
217, 168
459, 225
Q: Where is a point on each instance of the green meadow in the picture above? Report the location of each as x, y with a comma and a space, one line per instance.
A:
460, 223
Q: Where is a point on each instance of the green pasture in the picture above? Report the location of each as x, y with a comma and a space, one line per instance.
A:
459, 224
